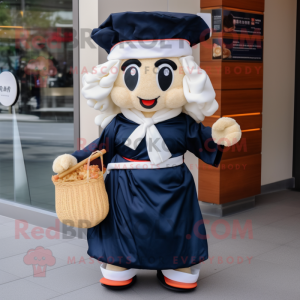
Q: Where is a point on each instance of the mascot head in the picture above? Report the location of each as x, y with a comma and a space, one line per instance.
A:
150, 66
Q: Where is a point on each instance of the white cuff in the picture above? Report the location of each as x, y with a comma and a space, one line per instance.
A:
117, 275
183, 277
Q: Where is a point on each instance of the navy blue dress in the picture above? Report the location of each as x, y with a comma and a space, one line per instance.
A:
154, 221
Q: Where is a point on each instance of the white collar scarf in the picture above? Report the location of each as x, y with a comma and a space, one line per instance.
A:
157, 149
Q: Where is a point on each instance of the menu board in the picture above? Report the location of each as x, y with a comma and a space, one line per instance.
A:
242, 23
232, 21
237, 49
242, 49
243, 39
217, 20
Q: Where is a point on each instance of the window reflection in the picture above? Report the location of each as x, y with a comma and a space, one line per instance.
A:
36, 44
6, 159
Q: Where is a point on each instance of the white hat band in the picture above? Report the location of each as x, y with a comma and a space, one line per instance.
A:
150, 49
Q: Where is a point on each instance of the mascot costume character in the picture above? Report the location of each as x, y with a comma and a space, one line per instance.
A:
152, 98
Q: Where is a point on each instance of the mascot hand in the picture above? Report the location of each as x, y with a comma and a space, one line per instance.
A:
63, 163
226, 131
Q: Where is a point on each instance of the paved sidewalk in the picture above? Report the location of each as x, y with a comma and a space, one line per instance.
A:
266, 266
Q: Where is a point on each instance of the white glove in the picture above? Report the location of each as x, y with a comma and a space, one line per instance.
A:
198, 90
63, 163
98, 85
226, 131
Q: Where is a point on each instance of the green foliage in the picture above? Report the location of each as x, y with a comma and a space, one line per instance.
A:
5, 17
31, 18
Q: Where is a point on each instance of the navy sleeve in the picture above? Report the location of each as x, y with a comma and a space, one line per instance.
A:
199, 142
106, 141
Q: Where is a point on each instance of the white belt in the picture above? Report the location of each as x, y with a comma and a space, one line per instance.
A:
146, 165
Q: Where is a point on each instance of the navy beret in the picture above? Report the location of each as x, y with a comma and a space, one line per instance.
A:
141, 26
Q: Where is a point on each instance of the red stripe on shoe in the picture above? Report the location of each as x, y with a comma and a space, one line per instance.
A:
180, 285
114, 282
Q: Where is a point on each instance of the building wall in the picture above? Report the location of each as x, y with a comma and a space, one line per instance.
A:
279, 75
279, 81
88, 19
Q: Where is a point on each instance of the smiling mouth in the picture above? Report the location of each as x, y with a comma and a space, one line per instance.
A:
148, 103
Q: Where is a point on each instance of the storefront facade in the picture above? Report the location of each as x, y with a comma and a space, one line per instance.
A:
46, 45
36, 45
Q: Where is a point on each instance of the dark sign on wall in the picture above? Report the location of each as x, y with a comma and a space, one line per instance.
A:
232, 21
242, 49
217, 20
238, 35
242, 22
237, 49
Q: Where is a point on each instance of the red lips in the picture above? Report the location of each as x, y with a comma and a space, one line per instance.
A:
148, 102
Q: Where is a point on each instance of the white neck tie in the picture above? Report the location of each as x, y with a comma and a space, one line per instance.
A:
158, 151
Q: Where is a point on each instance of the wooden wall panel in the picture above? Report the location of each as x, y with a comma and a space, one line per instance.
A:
240, 101
206, 50
233, 102
209, 121
209, 183
246, 122
210, 3
255, 5
249, 144
214, 71
234, 75
242, 75
234, 179
240, 178
238, 86
249, 122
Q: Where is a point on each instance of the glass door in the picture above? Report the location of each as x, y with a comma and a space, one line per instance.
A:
36, 45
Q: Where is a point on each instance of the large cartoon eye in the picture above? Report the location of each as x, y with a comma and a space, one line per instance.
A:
165, 76
132, 77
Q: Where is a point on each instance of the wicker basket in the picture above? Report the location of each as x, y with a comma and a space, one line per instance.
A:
84, 203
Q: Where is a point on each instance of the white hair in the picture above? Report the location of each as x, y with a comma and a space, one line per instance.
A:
197, 88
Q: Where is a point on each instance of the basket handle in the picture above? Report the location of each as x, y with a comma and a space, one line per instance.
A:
87, 160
